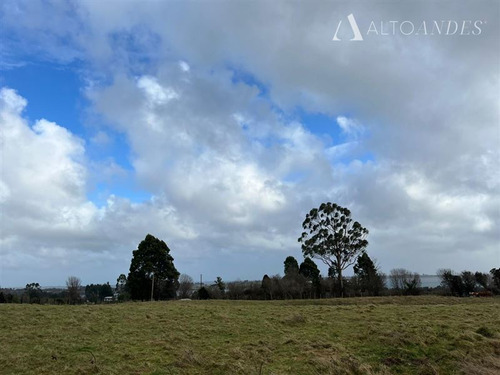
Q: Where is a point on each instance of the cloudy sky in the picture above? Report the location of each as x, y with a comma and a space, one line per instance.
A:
216, 126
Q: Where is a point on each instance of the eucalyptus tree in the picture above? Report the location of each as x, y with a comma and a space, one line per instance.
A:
333, 237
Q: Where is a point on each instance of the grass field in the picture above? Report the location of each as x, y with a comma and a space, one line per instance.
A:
389, 335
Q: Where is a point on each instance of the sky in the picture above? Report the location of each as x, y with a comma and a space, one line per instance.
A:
217, 126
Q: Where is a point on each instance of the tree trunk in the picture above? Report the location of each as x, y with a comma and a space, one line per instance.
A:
341, 282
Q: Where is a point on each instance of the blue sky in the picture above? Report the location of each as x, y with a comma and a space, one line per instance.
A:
49, 88
58, 90
188, 122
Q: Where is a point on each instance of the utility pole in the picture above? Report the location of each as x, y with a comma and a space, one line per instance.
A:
152, 286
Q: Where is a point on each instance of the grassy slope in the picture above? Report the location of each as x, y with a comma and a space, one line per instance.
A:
407, 335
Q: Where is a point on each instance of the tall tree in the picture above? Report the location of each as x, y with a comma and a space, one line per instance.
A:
370, 280
309, 270
152, 269
291, 266
333, 237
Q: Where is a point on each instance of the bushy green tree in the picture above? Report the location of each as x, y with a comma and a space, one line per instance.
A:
369, 279
96, 292
291, 266
105, 290
453, 283
292, 284
267, 287
203, 293
310, 271
469, 282
152, 263
495, 275
92, 293
333, 237
482, 279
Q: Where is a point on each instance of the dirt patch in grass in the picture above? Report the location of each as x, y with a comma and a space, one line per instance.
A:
486, 332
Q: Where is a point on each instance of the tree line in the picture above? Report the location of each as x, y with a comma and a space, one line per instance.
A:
304, 281
75, 293
329, 235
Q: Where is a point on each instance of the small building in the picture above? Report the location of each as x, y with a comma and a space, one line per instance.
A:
108, 299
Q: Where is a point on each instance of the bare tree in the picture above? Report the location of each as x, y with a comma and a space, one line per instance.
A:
73, 284
404, 281
235, 289
397, 277
185, 286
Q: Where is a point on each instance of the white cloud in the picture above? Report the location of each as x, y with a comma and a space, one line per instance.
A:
350, 127
46, 215
155, 93
39, 161
227, 169
184, 66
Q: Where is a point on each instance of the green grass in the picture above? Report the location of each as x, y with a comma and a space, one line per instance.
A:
393, 335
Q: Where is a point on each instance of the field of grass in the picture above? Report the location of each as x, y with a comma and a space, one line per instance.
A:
389, 335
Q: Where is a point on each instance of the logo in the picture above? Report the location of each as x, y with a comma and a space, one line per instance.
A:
404, 28
354, 27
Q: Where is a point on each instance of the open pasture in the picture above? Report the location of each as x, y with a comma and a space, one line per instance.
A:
387, 335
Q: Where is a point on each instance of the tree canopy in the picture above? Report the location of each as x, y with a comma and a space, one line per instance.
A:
291, 266
309, 270
370, 280
97, 292
152, 263
333, 237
